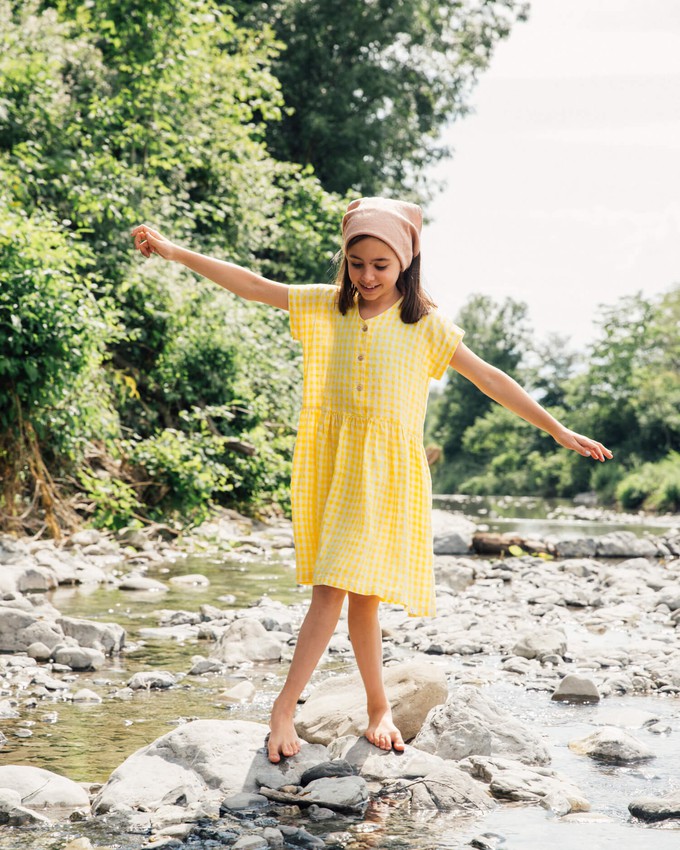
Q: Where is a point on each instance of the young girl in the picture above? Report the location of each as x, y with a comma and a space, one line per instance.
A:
361, 488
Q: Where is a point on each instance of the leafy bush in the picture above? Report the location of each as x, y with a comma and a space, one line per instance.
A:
53, 333
654, 486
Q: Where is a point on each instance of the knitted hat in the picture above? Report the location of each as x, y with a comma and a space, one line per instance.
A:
396, 223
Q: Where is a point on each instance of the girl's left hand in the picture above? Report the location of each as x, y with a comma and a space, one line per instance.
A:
583, 445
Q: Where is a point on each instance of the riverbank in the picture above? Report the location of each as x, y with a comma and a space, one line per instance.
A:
508, 631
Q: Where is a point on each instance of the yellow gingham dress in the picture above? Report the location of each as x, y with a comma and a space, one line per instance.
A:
361, 488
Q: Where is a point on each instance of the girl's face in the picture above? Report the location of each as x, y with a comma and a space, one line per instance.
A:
374, 269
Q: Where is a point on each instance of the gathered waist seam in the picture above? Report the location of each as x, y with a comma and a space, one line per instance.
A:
345, 414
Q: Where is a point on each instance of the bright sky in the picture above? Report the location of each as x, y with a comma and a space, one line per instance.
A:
564, 190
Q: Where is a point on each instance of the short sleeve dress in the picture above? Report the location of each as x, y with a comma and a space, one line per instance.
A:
361, 489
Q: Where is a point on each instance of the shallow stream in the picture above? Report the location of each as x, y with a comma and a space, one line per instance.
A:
86, 742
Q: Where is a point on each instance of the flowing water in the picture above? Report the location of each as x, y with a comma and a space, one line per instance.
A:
86, 742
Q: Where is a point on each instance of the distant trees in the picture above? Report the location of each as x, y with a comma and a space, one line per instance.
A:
368, 86
624, 390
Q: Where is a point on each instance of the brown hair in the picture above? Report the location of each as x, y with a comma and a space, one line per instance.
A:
416, 304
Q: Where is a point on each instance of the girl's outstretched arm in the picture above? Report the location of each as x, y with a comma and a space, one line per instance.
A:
235, 278
506, 391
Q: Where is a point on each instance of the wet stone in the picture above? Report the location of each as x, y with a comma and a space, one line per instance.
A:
488, 841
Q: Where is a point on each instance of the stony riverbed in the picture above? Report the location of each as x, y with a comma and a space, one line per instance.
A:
542, 704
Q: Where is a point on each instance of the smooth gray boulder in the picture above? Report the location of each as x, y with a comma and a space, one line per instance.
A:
452, 533
152, 680
574, 547
454, 573
449, 789
337, 706
106, 637
575, 688
79, 658
541, 643
379, 765
137, 582
612, 745
624, 544
246, 640
39, 788
290, 770
471, 724
654, 809
511, 780
19, 629
204, 760
341, 793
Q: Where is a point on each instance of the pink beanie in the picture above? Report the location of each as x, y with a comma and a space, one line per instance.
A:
396, 223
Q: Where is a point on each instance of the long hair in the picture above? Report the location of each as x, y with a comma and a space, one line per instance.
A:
416, 304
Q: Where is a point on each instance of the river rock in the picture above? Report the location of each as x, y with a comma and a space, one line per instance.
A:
86, 695
372, 763
290, 770
452, 533
242, 692
251, 842
152, 680
340, 793
105, 637
575, 688
9, 799
454, 573
469, 723
190, 580
21, 816
204, 760
612, 745
34, 579
570, 547
624, 544
337, 706
328, 770
40, 788
137, 582
511, 780
39, 651
541, 644
449, 789
246, 640
79, 657
653, 809
19, 629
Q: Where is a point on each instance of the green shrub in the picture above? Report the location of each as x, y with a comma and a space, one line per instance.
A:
654, 486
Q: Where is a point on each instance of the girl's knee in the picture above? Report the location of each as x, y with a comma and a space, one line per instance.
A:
324, 594
360, 602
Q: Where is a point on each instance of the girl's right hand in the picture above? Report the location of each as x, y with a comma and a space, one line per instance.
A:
149, 241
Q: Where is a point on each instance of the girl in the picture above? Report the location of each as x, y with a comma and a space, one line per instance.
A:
361, 488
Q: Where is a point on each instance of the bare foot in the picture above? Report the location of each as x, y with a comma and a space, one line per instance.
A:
283, 739
382, 732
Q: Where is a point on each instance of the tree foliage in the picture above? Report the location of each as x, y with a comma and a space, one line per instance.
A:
369, 84
624, 391
499, 334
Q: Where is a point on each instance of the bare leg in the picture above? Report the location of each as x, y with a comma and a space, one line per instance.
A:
315, 632
366, 637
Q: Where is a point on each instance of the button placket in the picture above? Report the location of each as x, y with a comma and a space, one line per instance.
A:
361, 359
